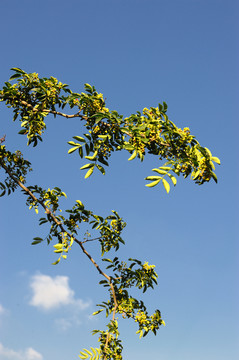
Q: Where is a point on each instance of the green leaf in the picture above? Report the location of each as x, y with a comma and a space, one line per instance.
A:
216, 160
83, 355
97, 312
195, 174
152, 184
37, 240
128, 147
133, 156
102, 170
22, 132
15, 76
3, 187
42, 221
58, 246
103, 161
72, 143
73, 149
87, 166
18, 70
87, 136
81, 152
56, 262
79, 138
153, 178
166, 185
89, 172
160, 171
92, 157
79, 203
88, 352
165, 167
214, 176
209, 152
212, 165
173, 178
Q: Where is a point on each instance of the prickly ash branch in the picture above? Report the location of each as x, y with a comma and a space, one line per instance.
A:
63, 230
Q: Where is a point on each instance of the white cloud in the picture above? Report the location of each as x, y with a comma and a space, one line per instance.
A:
52, 292
32, 354
2, 310
28, 354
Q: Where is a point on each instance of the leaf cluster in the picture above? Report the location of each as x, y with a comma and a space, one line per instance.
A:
148, 133
33, 98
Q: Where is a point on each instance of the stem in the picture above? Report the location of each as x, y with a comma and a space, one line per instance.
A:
54, 112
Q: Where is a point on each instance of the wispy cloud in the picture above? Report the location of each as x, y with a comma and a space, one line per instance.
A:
3, 312
28, 354
49, 293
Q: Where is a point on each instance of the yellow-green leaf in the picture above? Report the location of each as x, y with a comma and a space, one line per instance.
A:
88, 352
92, 157
216, 160
89, 172
79, 202
173, 178
153, 178
87, 166
97, 312
166, 185
71, 242
58, 246
79, 138
133, 156
57, 261
83, 355
212, 165
152, 184
73, 149
159, 171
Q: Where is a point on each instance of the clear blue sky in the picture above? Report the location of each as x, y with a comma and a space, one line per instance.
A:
137, 53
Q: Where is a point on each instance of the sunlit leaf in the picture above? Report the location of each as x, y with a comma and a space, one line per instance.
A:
152, 184
216, 160
87, 166
92, 157
133, 156
153, 178
89, 172
173, 178
166, 185
160, 171
79, 138
73, 149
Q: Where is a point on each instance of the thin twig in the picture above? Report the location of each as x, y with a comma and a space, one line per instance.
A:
53, 112
49, 212
76, 240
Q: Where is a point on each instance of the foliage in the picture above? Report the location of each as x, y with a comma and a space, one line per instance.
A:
150, 132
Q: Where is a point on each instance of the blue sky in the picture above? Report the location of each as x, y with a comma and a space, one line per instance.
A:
137, 53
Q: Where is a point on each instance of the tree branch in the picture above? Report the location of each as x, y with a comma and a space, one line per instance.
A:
80, 243
49, 212
54, 112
